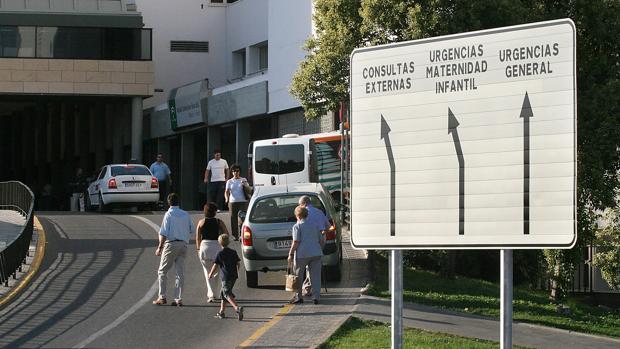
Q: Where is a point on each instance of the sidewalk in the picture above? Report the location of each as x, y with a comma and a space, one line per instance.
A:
307, 325
437, 320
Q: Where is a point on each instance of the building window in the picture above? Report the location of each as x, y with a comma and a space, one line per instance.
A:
17, 41
189, 46
238, 64
221, 2
75, 43
263, 57
258, 57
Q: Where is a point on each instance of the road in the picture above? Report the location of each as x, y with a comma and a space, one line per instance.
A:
98, 279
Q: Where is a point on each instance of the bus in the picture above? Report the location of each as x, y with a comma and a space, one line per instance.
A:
297, 158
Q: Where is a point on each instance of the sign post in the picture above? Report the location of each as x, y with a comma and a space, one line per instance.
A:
396, 284
466, 141
505, 310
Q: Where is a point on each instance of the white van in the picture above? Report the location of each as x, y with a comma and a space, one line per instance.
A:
298, 159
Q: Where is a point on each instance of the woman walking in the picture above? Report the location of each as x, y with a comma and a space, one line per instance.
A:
207, 232
235, 196
306, 250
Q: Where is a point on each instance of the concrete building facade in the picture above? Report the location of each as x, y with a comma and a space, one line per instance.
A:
91, 82
236, 91
73, 75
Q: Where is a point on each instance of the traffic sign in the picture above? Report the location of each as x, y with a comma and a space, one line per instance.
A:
466, 141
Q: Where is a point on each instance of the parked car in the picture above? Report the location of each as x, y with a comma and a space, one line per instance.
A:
123, 185
267, 229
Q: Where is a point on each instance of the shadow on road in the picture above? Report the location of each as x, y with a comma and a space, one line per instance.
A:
96, 268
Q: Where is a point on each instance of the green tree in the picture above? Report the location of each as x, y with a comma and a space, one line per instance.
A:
322, 80
607, 257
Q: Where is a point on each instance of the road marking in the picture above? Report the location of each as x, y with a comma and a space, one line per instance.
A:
58, 229
256, 335
147, 297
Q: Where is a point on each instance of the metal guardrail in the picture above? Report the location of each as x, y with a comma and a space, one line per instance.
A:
16, 196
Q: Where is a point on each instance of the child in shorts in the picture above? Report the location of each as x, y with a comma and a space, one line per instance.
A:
228, 261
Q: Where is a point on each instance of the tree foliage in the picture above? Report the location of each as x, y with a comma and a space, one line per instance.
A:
607, 257
322, 80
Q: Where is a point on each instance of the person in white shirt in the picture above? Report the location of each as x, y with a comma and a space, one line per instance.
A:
217, 168
235, 196
173, 239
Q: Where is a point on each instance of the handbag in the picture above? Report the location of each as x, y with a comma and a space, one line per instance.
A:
292, 280
247, 191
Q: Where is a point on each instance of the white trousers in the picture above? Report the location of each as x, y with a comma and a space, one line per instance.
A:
174, 253
207, 253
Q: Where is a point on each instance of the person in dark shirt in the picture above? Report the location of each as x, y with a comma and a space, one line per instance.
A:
228, 261
207, 232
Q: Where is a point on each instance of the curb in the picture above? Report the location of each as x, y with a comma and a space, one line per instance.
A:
256, 335
34, 268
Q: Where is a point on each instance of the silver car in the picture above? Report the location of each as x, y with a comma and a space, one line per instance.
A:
267, 229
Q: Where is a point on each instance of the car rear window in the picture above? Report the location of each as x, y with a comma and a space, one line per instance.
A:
279, 209
279, 159
130, 171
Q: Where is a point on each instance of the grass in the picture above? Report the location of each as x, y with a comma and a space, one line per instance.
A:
473, 296
357, 333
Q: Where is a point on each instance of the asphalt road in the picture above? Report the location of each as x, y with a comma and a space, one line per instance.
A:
96, 283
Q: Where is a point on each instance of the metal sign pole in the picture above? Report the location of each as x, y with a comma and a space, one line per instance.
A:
397, 298
506, 299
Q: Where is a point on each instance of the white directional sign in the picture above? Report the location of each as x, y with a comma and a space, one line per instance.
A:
466, 141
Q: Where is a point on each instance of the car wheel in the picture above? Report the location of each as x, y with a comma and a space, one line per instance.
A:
251, 279
333, 272
102, 208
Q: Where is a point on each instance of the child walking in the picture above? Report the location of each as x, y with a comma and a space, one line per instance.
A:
228, 261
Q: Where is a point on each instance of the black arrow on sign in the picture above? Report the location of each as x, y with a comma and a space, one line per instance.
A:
526, 114
453, 123
385, 134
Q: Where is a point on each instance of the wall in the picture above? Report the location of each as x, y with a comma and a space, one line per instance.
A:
78, 77
290, 25
246, 25
194, 20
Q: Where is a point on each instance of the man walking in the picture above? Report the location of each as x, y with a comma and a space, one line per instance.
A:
173, 239
218, 169
161, 171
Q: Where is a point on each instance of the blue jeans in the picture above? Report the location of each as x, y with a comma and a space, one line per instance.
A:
215, 194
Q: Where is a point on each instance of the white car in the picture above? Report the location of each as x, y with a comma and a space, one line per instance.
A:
123, 185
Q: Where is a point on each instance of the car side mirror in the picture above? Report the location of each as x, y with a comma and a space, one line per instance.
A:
242, 215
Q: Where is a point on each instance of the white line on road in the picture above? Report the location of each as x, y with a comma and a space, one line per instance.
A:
58, 229
147, 297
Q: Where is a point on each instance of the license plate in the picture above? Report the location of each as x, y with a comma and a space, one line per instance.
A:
132, 185
282, 243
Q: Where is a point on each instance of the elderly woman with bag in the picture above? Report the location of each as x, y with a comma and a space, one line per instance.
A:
236, 192
207, 232
306, 250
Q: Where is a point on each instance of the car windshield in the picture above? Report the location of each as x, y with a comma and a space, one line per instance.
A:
130, 171
279, 209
